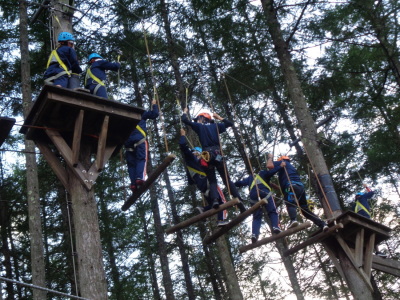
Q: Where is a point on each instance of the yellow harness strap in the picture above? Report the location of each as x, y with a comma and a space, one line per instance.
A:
359, 207
196, 171
60, 62
258, 180
141, 130
90, 74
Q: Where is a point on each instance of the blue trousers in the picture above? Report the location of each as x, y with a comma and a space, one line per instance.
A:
221, 199
258, 214
137, 161
101, 91
301, 198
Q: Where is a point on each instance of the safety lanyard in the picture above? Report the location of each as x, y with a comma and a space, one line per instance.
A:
90, 74
141, 130
60, 62
359, 207
196, 171
258, 180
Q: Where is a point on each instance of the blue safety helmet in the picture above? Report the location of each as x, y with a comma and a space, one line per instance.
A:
65, 36
94, 55
359, 194
197, 149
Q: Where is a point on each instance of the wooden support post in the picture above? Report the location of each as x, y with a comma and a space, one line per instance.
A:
66, 153
202, 216
359, 247
54, 163
313, 239
334, 259
76, 142
369, 248
386, 265
234, 222
275, 237
152, 177
102, 144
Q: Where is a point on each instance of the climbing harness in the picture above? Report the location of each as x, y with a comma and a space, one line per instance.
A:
359, 207
55, 58
100, 83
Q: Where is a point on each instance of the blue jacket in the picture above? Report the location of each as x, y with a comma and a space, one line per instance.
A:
291, 171
136, 135
208, 133
68, 57
266, 175
193, 167
363, 199
99, 68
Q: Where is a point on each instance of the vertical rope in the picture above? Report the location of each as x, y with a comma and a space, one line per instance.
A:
72, 243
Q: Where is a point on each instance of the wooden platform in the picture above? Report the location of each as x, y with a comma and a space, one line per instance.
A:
61, 121
6, 125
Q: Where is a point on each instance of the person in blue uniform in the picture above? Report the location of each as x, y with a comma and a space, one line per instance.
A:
63, 62
293, 188
260, 189
95, 79
208, 133
361, 206
136, 148
196, 175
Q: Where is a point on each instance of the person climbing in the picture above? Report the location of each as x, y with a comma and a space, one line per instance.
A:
96, 74
136, 148
260, 189
361, 206
208, 133
196, 175
63, 63
294, 192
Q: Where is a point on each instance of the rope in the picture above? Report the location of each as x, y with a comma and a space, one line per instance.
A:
154, 87
42, 288
72, 243
122, 173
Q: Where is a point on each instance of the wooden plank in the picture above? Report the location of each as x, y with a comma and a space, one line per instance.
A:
359, 247
316, 238
6, 124
386, 265
66, 153
202, 216
55, 164
102, 144
234, 222
152, 177
76, 141
275, 237
369, 248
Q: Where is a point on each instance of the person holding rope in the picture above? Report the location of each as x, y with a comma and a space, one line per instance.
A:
196, 175
294, 192
208, 133
63, 63
361, 206
260, 189
136, 148
96, 74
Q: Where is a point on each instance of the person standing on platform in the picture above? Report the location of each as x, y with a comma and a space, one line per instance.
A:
260, 189
95, 79
208, 133
136, 148
63, 63
196, 175
294, 192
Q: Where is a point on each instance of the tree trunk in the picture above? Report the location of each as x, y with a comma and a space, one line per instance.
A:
161, 245
62, 18
307, 126
92, 278
35, 225
180, 239
231, 280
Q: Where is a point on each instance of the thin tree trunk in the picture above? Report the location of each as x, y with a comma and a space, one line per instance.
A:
307, 126
35, 225
162, 248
